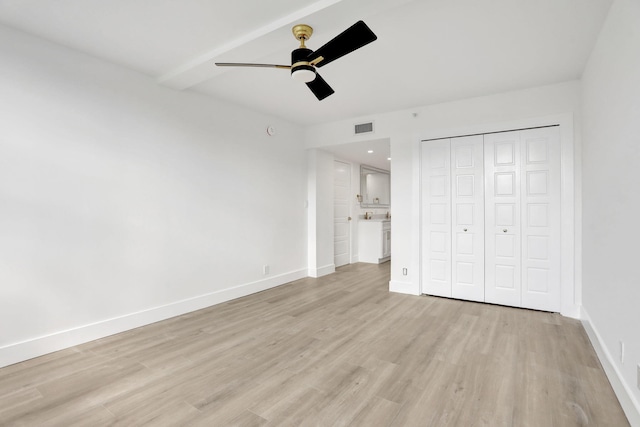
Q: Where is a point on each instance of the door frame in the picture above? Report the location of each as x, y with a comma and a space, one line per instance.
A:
571, 286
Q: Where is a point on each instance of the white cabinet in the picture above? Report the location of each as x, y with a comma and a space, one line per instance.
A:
386, 239
374, 241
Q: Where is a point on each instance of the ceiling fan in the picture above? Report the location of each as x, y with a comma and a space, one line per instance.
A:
304, 61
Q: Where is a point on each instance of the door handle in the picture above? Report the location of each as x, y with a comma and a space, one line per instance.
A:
465, 230
504, 230
348, 218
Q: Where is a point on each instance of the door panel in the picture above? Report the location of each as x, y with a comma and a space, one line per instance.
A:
502, 221
541, 218
436, 218
467, 222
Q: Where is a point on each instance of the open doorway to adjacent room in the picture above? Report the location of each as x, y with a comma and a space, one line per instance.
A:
362, 201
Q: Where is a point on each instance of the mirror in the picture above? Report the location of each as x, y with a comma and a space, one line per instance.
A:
374, 187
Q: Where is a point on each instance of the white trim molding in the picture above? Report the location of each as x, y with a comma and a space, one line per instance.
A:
402, 287
623, 391
28, 349
322, 271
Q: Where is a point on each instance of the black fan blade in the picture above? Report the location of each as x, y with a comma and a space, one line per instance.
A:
244, 64
320, 88
352, 38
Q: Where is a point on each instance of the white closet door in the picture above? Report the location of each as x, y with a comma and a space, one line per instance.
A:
502, 218
436, 217
467, 217
541, 218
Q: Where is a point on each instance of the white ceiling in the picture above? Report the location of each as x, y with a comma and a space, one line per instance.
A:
428, 51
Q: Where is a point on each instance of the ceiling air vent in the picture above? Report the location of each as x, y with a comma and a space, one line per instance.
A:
364, 128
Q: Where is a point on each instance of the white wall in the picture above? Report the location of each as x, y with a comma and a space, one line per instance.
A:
320, 214
611, 198
122, 202
406, 128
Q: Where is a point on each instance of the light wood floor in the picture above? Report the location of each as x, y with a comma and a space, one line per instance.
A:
340, 350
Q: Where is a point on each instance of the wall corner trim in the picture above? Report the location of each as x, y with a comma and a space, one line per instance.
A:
624, 393
573, 311
322, 271
403, 287
28, 349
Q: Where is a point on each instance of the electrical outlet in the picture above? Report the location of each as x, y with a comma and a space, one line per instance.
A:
265, 269
404, 271
622, 352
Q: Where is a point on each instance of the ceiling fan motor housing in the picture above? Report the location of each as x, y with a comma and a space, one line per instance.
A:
300, 65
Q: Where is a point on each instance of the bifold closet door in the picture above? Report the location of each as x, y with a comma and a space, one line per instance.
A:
541, 218
502, 218
436, 217
491, 218
467, 218
522, 215
452, 217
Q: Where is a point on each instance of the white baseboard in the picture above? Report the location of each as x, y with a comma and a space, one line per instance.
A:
573, 311
322, 271
28, 349
623, 391
403, 287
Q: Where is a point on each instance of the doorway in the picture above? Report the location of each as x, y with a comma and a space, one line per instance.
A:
348, 159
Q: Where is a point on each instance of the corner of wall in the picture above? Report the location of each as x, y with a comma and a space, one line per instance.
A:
28, 349
322, 271
629, 403
403, 288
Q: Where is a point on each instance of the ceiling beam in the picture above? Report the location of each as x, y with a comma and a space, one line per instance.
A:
256, 44
201, 68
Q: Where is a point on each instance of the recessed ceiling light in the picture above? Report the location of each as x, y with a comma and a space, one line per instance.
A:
370, 151
388, 158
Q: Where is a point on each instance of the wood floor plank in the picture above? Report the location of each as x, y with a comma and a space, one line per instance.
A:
338, 350
304, 407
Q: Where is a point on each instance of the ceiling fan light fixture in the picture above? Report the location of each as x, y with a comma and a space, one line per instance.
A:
304, 61
304, 74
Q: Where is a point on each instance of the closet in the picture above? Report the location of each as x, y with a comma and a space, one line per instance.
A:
490, 218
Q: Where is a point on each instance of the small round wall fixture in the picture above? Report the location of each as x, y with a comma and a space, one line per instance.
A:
271, 130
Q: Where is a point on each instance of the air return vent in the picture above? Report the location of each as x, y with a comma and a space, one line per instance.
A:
363, 128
